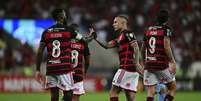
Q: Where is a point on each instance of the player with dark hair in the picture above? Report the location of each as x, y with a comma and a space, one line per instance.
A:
159, 60
80, 58
126, 78
59, 67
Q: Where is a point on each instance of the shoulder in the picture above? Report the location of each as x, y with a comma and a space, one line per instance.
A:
49, 29
129, 34
168, 30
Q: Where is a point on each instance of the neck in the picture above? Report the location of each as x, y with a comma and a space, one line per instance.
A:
123, 29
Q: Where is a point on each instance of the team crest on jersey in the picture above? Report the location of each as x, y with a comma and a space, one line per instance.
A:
120, 38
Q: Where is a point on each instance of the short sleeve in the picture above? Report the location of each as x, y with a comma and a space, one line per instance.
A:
168, 32
131, 37
43, 37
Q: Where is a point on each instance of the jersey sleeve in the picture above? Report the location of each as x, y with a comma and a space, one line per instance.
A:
168, 32
43, 37
131, 37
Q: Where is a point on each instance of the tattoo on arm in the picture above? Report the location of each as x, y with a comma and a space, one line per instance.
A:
137, 52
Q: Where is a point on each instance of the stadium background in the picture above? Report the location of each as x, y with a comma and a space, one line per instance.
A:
22, 22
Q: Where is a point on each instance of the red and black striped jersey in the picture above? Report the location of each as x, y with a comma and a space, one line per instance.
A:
155, 56
79, 51
57, 40
126, 51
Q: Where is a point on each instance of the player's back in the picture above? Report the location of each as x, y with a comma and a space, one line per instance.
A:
79, 50
57, 39
155, 56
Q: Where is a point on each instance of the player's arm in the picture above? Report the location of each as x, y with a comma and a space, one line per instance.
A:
39, 57
90, 37
168, 49
133, 43
87, 63
87, 39
86, 58
169, 52
142, 51
108, 45
137, 53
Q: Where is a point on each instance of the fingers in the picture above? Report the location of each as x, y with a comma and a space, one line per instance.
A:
91, 30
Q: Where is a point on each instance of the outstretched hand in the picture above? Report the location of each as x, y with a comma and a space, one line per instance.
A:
92, 33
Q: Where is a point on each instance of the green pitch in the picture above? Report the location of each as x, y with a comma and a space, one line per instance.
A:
103, 96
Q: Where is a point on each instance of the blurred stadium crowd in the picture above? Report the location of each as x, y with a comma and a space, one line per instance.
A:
185, 21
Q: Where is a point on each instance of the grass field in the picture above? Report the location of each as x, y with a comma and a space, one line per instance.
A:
103, 96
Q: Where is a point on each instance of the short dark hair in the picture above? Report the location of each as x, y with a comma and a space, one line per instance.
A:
56, 13
162, 16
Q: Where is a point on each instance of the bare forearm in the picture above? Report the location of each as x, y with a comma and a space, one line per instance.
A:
39, 56
87, 63
169, 53
168, 49
137, 54
101, 44
88, 38
38, 61
142, 51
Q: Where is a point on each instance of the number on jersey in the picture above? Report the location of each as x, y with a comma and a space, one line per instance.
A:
74, 54
152, 44
56, 48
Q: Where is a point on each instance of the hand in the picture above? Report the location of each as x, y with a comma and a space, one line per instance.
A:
91, 30
139, 68
92, 33
39, 77
172, 67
